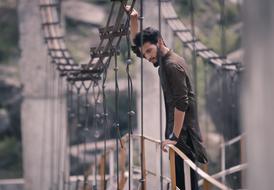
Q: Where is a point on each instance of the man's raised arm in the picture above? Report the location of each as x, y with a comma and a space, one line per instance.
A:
133, 23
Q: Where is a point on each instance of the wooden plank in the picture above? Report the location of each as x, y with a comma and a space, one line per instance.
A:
144, 162
122, 164
198, 170
102, 171
172, 169
187, 176
206, 184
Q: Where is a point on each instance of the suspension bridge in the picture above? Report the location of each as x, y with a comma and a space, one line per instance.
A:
90, 150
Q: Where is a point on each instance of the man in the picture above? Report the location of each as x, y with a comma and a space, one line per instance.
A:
182, 129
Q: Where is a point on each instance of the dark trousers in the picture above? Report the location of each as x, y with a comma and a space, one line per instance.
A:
180, 177
179, 165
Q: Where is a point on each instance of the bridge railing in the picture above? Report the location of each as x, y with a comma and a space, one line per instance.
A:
124, 174
187, 165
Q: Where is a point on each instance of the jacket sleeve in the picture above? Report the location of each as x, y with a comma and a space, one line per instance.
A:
177, 79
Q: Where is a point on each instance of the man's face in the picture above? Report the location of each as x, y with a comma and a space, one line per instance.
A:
149, 51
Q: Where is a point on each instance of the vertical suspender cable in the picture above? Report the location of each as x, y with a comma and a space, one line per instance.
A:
86, 128
116, 123
221, 106
96, 119
78, 89
105, 116
71, 119
66, 141
194, 57
105, 123
130, 96
130, 111
142, 180
59, 134
52, 139
160, 94
128, 62
223, 54
206, 65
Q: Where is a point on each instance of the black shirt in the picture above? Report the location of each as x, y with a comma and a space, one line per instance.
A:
178, 92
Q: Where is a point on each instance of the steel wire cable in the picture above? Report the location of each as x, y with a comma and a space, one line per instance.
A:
86, 129
70, 126
142, 180
59, 134
105, 124
160, 100
96, 95
194, 60
116, 122
52, 136
130, 99
66, 173
78, 125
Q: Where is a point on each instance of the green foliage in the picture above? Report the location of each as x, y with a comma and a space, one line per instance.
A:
184, 6
122, 111
8, 34
213, 40
11, 158
232, 14
100, 2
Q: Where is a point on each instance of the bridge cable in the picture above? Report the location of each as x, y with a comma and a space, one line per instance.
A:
96, 95
78, 125
52, 139
130, 113
105, 123
66, 173
116, 122
86, 129
59, 133
72, 116
142, 180
223, 103
161, 99
194, 53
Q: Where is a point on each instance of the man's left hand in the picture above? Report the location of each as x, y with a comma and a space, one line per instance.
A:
166, 142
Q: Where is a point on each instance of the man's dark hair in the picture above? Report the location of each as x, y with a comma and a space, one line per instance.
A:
149, 35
